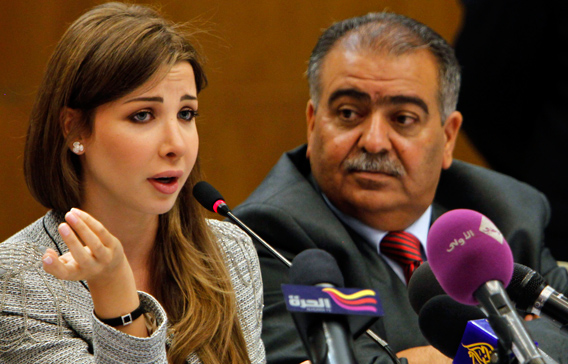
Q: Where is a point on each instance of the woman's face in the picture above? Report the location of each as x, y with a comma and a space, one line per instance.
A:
143, 146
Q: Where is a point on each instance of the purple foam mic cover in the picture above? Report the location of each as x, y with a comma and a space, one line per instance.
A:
465, 250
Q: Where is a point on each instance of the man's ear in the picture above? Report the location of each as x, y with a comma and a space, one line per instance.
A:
451, 130
310, 122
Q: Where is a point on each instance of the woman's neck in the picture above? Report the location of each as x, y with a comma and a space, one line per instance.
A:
137, 234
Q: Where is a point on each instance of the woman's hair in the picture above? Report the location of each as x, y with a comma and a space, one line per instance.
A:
105, 54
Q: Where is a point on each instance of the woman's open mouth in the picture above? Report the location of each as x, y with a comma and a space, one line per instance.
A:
165, 185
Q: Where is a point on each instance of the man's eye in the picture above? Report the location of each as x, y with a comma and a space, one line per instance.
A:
347, 114
141, 116
187, 114
405, 120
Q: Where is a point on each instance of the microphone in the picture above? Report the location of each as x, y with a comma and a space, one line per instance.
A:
213, 201
533, 295
326, 337
528, 289
423, 286
472, 262
459, 332
442, 321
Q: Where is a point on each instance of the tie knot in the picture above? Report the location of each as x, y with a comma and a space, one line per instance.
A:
403, 248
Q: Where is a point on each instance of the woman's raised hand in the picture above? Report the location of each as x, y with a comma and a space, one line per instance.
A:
96, 256
94, 253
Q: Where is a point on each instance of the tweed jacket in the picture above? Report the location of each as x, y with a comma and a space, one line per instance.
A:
47, 320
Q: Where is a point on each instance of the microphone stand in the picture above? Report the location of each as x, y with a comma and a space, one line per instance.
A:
506, 323
272, 251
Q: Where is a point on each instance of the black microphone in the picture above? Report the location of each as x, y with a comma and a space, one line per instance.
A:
213, 201
423, 286
528, 290
442, 321
532, 294
326, 337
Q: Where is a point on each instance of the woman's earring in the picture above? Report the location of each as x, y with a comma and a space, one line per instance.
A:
78, 148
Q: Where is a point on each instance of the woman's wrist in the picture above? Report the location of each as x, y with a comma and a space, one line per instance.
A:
124, 320
114, 295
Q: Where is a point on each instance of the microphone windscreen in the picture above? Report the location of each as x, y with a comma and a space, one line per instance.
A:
206, 195
423, 286
443, 321
525, 287
465, 250
315, 266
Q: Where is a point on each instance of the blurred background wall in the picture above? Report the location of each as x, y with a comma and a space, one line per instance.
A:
253, 109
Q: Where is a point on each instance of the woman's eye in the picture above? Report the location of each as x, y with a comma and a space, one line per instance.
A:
187, 114
141, 116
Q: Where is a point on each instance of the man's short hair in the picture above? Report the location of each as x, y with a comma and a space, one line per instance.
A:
393, 34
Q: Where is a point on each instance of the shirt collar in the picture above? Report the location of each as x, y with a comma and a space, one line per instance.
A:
374, 236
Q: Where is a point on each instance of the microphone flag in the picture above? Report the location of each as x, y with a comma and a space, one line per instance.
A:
478, 344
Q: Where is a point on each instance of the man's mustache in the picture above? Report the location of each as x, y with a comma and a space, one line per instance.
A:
378, 163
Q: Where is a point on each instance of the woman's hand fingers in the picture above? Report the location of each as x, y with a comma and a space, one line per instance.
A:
63, 267
96, 236
73, 242
104, 246
78, 221
94, 253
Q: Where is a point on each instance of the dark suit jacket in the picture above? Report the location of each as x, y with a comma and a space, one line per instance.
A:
290, 214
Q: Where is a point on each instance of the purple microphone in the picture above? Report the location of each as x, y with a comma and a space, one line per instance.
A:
465, 250
473, 263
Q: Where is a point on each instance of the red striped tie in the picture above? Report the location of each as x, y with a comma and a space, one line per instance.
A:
403, 248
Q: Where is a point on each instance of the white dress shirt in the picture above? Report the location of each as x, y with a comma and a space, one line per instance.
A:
374, 236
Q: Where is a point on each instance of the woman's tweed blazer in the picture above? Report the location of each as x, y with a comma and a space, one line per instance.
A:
46, 320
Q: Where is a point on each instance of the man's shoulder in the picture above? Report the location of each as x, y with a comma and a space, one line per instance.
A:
286, 208
287, 191
502, 198
464, 177
288, 179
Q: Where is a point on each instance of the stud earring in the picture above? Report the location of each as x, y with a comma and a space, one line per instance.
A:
78, 148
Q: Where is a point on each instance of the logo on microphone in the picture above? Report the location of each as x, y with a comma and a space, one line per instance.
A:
488, 227
461, 241
359, 301
478, 343
331, 300
480, 353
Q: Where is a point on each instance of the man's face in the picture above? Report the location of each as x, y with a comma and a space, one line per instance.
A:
376, 142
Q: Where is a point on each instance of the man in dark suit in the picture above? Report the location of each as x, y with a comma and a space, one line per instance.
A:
381, 129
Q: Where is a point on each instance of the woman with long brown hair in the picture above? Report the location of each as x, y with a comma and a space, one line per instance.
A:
124, 267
